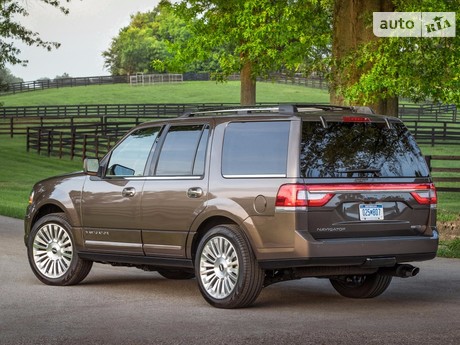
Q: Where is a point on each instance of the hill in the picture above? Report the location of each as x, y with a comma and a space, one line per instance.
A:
186, 92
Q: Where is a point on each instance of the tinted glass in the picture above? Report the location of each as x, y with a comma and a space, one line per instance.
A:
130, 156
255, 148
182, 145
357, 149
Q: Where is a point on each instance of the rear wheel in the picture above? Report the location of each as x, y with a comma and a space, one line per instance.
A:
52, 253
361, 286
227, 272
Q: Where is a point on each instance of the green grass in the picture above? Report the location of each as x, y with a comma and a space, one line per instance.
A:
187, 92
449, 249
20, 170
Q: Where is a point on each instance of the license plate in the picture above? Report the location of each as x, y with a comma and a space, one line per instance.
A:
370, 212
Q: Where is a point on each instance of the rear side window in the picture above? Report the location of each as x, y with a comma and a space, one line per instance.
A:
359, 149
183, 151
255, 149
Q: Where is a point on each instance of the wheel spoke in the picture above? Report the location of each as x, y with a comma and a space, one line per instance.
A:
219, 267
52, 250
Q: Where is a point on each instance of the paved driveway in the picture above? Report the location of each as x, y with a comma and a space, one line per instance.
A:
128, 306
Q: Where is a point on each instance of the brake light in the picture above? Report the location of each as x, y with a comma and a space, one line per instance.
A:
425, 194
299, 195
356, 119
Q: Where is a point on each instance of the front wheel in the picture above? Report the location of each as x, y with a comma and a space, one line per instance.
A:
361, 286
227, 272
52, 253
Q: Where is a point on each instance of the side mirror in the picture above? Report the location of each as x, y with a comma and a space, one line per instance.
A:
91, 166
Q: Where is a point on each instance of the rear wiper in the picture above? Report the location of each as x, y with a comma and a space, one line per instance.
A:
350, 172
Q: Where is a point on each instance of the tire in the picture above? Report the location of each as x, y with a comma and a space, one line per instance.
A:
52, 253
227, 272
176, 274
365, 286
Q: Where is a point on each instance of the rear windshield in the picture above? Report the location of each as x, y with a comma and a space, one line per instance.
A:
359, 149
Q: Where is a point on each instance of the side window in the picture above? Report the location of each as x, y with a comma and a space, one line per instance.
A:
255, 148
183, 151
130, 156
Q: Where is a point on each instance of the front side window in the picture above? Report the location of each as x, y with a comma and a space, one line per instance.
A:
129, 158
183, 151
255, 148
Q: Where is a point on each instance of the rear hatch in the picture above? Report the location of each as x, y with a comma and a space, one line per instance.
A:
364, 176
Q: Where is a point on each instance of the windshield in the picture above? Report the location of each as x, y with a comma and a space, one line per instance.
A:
359, 149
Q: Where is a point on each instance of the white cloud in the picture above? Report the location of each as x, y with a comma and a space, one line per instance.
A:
84, 34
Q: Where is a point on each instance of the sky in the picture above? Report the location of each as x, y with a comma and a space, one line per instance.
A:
84, 34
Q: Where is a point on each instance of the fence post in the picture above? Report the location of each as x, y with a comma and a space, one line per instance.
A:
72, 146
11, 127
433, 133
39, 141
428, 162
28, 138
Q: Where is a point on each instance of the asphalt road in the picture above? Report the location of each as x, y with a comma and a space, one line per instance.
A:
116, 305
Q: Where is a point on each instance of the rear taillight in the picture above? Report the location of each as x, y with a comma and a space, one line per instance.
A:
425, 194
300, 195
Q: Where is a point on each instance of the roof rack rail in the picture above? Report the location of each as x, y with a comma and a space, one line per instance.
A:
286, 109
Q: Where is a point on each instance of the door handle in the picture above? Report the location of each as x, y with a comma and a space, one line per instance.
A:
195, 192
128, 192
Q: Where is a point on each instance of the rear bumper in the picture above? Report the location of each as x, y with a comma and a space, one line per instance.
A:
381, 251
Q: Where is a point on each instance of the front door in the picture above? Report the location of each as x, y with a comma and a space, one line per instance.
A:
111, 204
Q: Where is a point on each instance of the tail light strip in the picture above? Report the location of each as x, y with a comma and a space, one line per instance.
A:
300, 195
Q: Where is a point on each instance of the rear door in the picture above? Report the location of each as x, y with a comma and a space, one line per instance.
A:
364, 178
176, 190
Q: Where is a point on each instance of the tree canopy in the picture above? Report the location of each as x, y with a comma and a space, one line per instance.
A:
377, 69
258, 37
144, 40
12, 30
253, 37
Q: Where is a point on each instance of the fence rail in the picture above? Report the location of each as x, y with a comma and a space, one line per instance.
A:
432, 133
62, 82
428, 112
445, 174
77, 141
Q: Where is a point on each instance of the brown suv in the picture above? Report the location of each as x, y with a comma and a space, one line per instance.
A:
244, 198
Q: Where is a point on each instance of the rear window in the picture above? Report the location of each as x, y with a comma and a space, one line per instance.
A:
359, 149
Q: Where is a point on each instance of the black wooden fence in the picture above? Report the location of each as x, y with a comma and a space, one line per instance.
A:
443, 174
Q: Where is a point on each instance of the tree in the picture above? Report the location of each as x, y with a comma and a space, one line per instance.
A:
11, 29
253, 37
7, 78
144, 40
376, 71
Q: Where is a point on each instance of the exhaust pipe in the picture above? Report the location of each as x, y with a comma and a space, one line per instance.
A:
406, 271
401, 271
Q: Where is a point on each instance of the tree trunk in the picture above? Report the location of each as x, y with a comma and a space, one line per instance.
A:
350, 30
248, 85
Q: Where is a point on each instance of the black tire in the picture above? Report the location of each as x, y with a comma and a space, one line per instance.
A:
227, 272
364, 286
52, 253
176, 274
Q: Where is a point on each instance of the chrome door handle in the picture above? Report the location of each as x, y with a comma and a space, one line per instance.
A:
128, 192
195, 192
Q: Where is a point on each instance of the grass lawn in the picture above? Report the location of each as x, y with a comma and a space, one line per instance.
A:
186, 92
